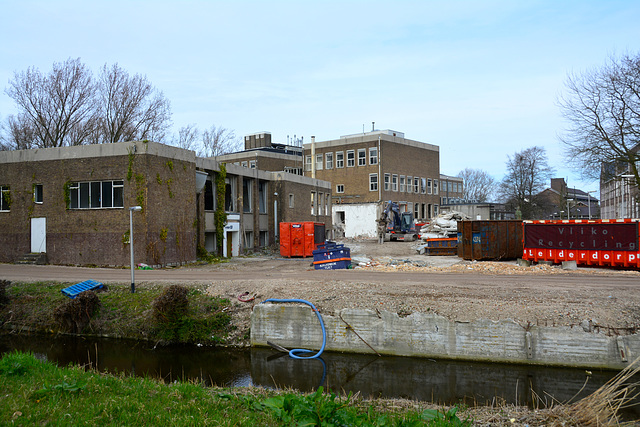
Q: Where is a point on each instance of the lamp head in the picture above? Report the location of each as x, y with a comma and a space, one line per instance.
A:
135, 208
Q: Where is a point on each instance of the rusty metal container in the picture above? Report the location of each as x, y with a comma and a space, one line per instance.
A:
490, 240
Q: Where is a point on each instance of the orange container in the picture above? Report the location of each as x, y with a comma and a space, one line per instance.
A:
606, 243
300, 239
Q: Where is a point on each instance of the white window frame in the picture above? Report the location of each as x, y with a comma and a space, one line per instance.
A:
313, 203
5, 195
409, 184
429, 187
38, 194
307, 162
340, 188
402, 183
394, 182
351, 158
252, 164
435, 187
328, 157
373, 182
319, 162
244, 164
362, 157
373, 155
76, 190
339, 159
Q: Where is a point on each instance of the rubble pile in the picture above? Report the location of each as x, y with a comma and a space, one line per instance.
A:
442, 226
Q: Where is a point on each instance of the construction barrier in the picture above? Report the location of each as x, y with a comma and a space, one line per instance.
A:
612, 243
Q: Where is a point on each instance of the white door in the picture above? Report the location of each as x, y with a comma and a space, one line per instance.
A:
38, 235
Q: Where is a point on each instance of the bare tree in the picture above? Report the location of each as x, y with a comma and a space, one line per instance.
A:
217, 141
56, 108
602, 107
527, 173
478, 184
129, 108
187, 138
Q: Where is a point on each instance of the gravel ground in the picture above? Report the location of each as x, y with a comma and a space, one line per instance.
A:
393, 277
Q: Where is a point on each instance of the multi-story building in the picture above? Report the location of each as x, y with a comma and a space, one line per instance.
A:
366, 170
619, 191
72, 203
562, 202
451, 189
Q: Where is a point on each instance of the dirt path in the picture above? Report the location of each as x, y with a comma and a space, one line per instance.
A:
401, 282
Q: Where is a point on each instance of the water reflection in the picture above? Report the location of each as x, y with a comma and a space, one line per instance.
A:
444, 382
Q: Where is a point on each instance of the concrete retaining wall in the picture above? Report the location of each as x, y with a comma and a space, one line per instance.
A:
430, 335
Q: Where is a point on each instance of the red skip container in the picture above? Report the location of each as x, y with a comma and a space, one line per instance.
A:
612, 243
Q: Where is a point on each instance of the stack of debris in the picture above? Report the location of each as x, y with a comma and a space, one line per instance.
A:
443, 226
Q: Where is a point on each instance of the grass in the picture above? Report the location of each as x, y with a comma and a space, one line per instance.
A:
121, 313
35, 392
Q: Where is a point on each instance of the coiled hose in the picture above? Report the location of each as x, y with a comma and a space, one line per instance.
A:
296, 351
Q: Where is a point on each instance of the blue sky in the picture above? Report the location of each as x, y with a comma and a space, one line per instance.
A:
480, 79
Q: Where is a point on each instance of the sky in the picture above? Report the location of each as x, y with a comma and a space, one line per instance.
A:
480, 79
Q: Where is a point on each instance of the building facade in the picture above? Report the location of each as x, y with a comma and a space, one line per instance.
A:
72, 203
619, 191
366, 170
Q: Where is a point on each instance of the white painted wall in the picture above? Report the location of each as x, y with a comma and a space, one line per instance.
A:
360, 220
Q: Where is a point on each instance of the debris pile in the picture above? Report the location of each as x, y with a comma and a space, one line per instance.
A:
444, 225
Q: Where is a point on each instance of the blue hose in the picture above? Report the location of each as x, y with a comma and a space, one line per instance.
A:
294, 353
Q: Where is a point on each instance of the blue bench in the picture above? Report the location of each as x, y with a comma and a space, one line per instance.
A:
75, 290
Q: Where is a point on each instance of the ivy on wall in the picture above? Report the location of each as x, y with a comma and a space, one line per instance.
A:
219, 216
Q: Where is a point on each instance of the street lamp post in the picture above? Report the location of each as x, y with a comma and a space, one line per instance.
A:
131, 210
569, 209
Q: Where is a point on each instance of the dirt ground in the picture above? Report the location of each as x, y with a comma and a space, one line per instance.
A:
394, 277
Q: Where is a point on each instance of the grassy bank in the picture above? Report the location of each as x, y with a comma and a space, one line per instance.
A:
153, 313
33, 392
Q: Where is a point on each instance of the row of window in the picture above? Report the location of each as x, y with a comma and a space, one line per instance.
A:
82, 195
408, 184
326, 160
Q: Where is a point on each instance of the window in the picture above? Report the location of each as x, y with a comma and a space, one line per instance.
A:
340, 188
320, 202
262, 197
402, 178
450, 186
291, 205
313, 203
362, 157
209, 200
409, 184
339, 159
329, 160
428, 186
435, 209
326, 204
296, 171
230, 194
264, 238
252, 164
351, 158
37, 193
373, 156
387, 180
373, 182
416, 184
318, 162
394, 182
416, 210
244, 164
307, 163
96, 195
248, 239
5, 197
246, 195
435, 191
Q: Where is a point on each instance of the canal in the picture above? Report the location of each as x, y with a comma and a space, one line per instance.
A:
438, 381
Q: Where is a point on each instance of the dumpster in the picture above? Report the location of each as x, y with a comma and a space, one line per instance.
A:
443, 246
606, 243
299, 239
331, 256
490, 239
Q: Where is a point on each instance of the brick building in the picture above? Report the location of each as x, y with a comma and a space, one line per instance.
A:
365, 171
368, 169
72, 204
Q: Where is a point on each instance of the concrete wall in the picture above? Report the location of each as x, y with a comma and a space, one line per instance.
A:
430, 335
360, 220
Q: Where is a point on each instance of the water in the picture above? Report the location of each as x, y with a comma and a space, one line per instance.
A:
443, 382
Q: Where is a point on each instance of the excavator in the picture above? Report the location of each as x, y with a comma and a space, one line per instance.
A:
396, 225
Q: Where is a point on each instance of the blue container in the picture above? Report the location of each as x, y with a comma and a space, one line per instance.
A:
333, 265
331, 256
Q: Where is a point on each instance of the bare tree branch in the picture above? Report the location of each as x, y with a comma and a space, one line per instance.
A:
478, 184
